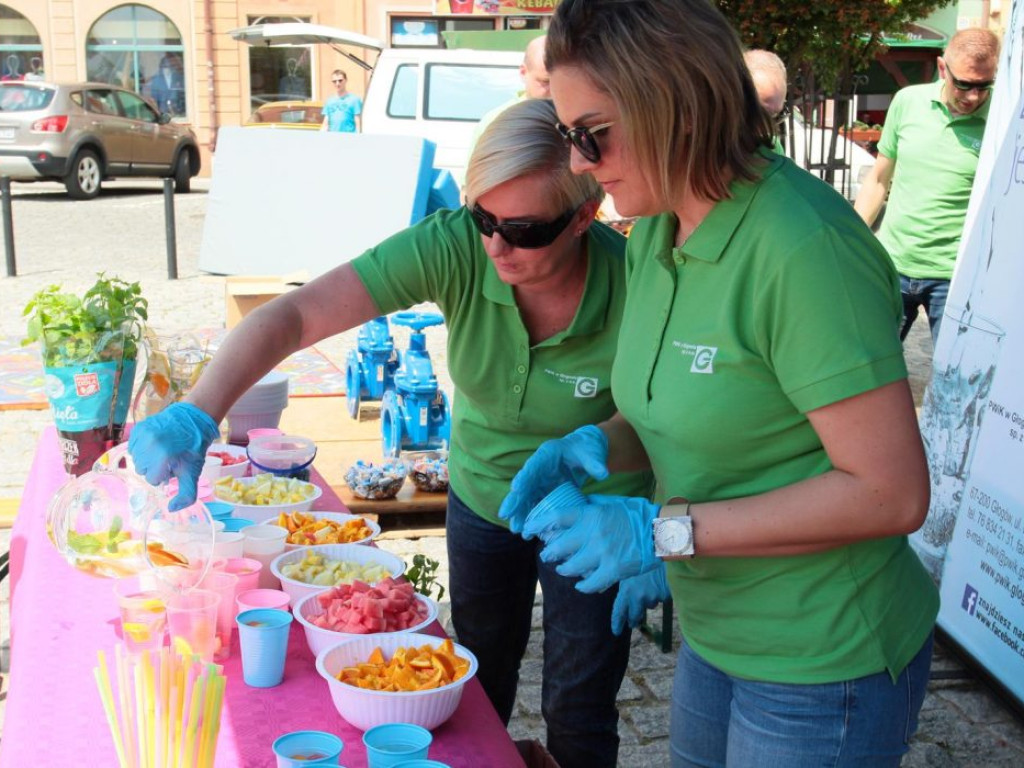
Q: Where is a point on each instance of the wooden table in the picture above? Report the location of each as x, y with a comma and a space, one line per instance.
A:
341, 441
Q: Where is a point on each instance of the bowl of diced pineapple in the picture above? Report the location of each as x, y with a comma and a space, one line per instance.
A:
313, 569
266, 496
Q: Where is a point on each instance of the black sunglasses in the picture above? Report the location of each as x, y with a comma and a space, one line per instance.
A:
521, 234
966, 85
582, 138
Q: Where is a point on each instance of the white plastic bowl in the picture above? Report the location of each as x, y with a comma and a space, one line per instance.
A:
365, 708
319, 639
338, 517
259, 513
355, 553
234, 470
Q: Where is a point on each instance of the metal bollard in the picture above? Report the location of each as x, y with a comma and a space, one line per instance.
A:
172, 240
5, 193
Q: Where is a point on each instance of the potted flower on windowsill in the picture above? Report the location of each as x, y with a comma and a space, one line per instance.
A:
90, 346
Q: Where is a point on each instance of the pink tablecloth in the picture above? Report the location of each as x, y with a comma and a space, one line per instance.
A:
60, 617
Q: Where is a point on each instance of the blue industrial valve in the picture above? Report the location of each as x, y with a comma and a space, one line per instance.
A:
370, 371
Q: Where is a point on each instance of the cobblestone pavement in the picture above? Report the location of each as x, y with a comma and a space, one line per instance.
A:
122, 232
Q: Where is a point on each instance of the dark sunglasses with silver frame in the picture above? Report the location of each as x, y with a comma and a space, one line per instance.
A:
582, 137
967, 85
521, 234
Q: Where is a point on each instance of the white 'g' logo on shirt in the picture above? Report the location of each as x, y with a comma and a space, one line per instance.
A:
585, 387
703, 360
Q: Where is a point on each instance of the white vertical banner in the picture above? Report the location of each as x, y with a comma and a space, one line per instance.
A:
972, 419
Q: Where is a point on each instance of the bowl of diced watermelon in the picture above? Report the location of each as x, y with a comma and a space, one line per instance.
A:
338, 613
307, 570
422, 678
234, 460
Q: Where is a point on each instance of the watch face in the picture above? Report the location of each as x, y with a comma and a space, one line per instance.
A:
673, 537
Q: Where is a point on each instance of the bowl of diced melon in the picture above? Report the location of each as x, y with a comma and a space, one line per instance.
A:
338, 613
308, 570
266, 496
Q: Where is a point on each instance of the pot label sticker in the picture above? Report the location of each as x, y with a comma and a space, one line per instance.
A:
87, 384
80, 396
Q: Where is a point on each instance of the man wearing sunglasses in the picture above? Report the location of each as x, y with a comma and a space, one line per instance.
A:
342, 110
929, 153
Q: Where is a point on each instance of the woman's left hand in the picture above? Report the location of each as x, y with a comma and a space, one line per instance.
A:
606, 540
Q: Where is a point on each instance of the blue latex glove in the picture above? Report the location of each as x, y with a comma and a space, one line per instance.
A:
604, 541
578, 456
173, 443
636, 595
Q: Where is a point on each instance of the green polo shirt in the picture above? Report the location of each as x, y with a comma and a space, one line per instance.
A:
509, 396
936, 156
781, 302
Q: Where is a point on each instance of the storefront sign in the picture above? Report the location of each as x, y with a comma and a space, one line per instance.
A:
495, 7
972, 420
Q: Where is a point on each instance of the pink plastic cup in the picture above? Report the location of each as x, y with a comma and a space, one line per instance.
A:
262, 598
261, 431
247, 570
223, 584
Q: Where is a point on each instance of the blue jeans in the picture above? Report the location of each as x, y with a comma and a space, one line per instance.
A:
493, 576
923, 292
719, 720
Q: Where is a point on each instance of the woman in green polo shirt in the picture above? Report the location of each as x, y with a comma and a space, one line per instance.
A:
759, 373
532, 290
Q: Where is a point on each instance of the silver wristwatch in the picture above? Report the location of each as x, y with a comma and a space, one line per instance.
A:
673, 536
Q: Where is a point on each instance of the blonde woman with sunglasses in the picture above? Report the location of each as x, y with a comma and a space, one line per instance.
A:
532, 290
760, 374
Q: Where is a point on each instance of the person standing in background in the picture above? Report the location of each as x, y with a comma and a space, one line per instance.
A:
929, 153
769, 76
342, 110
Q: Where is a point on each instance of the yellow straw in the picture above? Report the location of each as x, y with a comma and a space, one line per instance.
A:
149, 700
127, 713
165, 703
107, 695
193, 715
179, 702
140, 715
214, 719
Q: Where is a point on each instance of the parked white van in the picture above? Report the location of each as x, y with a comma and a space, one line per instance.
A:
433, 93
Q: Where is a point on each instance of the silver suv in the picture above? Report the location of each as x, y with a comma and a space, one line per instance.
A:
83, 133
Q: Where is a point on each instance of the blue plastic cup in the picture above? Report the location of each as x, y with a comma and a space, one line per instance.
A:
421, 764
235, 524
301, 748
393, 743
263, 637
219, 510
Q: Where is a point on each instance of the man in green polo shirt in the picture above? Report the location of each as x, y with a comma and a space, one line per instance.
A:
929, 153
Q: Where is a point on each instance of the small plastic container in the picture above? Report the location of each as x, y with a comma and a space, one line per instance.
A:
376, 481
282, 455
564, 496
428, 471
389, 744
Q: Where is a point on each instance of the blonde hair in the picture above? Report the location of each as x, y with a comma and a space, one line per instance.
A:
760, 60
676, 72
520, 141
976, 44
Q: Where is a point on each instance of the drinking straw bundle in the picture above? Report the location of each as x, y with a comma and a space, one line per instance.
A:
165, 712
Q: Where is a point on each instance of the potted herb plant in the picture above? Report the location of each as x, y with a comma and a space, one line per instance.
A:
90, 347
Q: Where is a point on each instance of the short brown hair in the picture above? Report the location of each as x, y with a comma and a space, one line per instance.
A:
975, 44
675, 70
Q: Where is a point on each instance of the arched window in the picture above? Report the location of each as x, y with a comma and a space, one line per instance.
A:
139, 48
21, 52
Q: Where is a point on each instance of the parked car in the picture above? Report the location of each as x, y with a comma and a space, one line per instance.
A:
433, 93
83, 133
307, 115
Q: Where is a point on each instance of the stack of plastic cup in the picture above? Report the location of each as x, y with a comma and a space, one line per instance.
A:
224, 584
262, 598
264, 543
301, 748
395, 743
260, 406
263, 637
228, 543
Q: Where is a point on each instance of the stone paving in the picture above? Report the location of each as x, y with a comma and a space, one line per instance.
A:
122, 232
